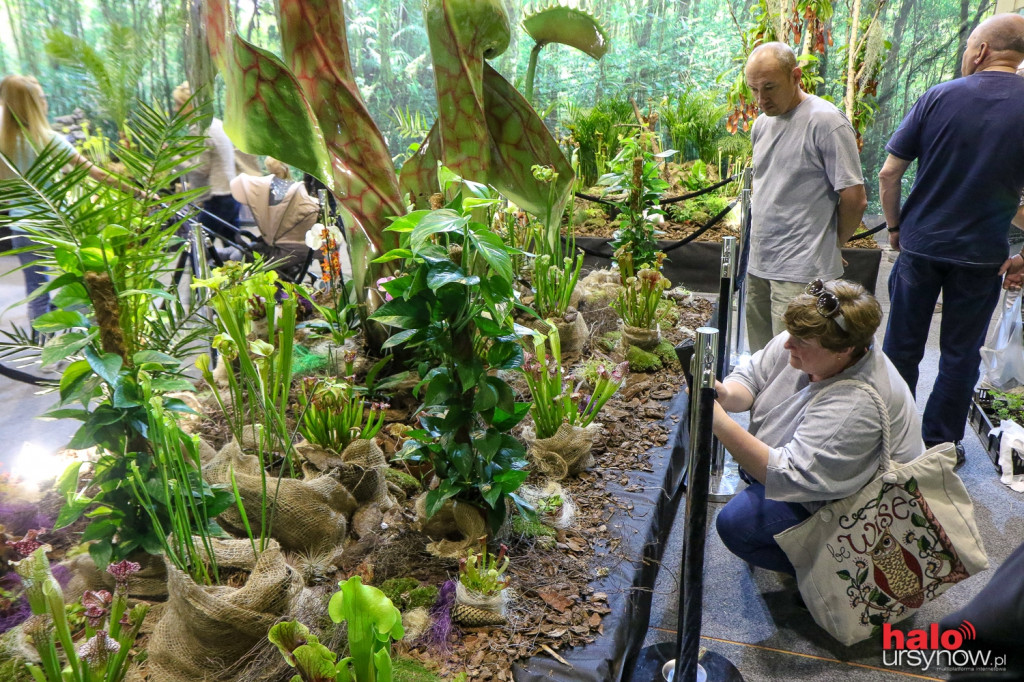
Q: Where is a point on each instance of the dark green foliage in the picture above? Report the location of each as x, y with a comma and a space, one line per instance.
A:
597, 130
453, 311
408, 594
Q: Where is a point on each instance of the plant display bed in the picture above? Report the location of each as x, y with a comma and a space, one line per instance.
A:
696, 265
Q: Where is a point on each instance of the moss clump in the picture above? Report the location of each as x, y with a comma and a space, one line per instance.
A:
407, 483
608, 341
424, 596
531, 529
408, 670
666, 352
407, 593
396, 589
641, 361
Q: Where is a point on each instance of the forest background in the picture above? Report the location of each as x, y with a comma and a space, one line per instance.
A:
658, 48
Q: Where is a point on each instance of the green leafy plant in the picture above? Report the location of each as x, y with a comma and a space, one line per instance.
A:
596, 135
373, 621
554, 400
638, 302
483, 572
454, 307
550, 505
635, 175
1007, 405
101, 652
693, 121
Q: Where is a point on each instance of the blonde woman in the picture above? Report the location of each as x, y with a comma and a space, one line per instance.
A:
24, 132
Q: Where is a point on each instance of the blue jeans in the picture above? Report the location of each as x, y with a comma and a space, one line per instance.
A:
969, 296
34, 277
225, 210
749, 522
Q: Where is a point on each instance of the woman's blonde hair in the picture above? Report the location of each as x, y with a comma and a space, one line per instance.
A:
24, 116
860, 310
181, 94
275, 167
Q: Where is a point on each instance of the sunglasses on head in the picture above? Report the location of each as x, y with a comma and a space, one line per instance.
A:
827, 304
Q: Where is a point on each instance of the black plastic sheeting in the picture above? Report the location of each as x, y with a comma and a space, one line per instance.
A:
697, 265
629, 584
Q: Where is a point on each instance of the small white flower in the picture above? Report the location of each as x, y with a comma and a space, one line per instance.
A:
315, 236
654, 218
335, 233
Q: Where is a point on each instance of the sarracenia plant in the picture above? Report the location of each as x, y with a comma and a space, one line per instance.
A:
101, 653
259, 372
373, 621
638, 302
334, 413
554, 400
554, 284
483, 572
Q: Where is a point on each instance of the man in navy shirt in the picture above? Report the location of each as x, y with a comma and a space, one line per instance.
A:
968, 138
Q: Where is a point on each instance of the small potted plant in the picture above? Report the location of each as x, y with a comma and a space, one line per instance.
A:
480, 592
639, 303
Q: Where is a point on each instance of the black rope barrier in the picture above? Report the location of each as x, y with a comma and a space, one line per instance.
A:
870, 233
682, 242
23, 377
682, 197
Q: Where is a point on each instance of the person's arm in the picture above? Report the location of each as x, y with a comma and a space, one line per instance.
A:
734, 396
748, 451
889, 183
852, 202
100, 175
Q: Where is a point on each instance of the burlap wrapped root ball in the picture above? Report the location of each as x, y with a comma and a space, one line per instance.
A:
359, 467
642, 338
148, 583
572, 332
453, 529
308, 516
204, 630
600, 287
567, 453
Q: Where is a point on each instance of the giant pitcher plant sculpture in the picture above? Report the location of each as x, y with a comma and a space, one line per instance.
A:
307, 111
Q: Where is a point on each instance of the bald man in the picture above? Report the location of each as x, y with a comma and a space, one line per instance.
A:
967, 136
808, 195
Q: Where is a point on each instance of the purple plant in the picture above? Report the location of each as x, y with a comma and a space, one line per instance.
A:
440, 630
18, 517
16, 611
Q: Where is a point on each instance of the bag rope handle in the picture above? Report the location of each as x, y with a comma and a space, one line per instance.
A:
885, 462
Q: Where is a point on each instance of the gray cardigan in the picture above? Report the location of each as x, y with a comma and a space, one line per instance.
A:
831, 449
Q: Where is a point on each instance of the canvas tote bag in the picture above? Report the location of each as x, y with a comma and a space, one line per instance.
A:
902, 540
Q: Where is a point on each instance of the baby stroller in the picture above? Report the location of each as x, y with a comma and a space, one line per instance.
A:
283, 212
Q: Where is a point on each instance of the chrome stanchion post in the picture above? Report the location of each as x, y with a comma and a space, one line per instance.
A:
739, 348
197, 244
725, 475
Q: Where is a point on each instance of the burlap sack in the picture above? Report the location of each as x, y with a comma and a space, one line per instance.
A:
567, 453
455, 527
206, 629
572, 334
148, 583
599, 287
644, 339
309, 515
362, 472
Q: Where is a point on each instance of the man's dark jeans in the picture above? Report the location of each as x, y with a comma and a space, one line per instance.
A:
225, 210
969, 296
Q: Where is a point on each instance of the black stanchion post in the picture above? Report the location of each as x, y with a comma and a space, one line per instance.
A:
683, 661
741, 266
725, 477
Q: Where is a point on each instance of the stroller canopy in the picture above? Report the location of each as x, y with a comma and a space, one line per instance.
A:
283, 223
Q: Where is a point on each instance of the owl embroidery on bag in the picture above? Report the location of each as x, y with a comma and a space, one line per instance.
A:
897, 571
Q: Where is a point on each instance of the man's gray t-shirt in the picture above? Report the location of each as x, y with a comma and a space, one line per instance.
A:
801, 161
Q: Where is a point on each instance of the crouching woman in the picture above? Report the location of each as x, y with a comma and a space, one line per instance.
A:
809, 442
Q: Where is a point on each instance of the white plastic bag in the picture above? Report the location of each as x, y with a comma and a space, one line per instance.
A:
1002, 356
1011, 445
